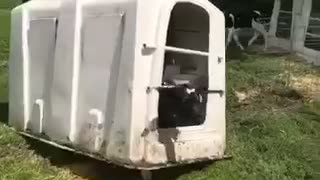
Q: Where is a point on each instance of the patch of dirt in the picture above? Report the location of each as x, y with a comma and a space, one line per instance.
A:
245, 97
287, 93
274, 51
308, 85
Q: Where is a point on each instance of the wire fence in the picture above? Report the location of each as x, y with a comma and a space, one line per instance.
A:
284, 24
312, 40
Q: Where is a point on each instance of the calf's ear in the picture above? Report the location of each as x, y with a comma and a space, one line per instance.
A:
257, 12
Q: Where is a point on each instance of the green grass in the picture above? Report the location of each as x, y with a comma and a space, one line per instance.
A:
273, 133
9, 4
5, 24
5, 8
4, 50
16, 160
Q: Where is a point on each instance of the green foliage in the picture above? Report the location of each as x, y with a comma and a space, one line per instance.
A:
4, 24
5, 8
4, 56
18, 162
9, 4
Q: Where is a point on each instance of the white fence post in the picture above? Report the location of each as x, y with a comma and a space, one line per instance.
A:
274, 18
300, 21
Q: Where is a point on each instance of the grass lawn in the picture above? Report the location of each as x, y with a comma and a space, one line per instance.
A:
273, 122
17, 161
4, 24
5, 7
9, 4
273, 128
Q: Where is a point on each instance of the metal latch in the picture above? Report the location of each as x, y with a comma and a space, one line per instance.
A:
201, 91
220, 92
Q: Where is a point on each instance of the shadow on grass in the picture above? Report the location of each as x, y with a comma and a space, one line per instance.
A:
92, 169
235, 53
4, 112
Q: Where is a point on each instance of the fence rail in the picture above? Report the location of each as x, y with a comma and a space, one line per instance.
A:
284, 24
313, 34
285, 12
314, 19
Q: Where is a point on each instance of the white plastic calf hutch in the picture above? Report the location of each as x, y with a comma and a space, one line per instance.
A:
139, 83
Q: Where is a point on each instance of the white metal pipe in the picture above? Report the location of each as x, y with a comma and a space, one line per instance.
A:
186, 51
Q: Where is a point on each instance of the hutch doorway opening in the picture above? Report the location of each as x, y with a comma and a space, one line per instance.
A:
185, 68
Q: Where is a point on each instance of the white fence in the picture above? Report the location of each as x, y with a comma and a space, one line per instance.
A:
296, 30
313, 34
284, 24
